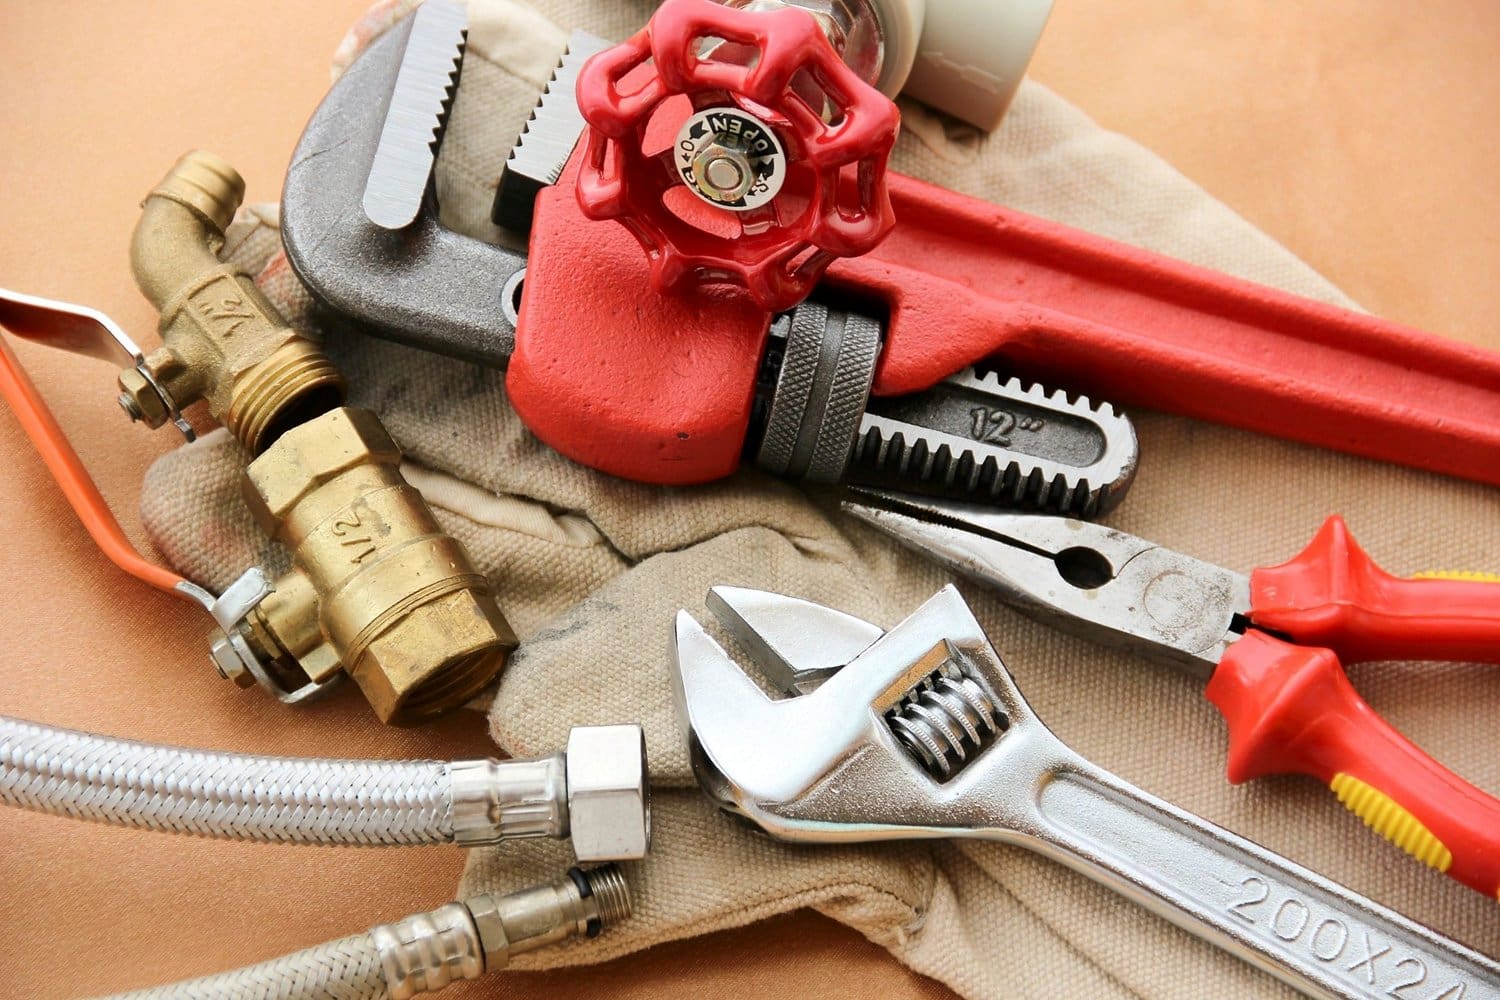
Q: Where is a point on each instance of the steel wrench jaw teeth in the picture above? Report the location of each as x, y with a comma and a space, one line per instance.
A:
893, 744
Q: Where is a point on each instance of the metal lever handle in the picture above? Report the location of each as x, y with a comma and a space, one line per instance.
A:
1314, 935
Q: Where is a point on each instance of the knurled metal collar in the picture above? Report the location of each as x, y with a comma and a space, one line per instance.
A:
426, 951
821, 393
500, 800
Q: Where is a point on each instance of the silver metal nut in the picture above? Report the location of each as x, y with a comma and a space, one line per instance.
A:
722, 169
609, 805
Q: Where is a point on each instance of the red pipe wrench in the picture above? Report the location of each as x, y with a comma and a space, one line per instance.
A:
678, 387
956, 282
669, 390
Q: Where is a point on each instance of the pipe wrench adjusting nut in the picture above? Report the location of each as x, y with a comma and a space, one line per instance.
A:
378, 589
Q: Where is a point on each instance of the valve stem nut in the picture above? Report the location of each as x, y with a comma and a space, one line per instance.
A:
141, 400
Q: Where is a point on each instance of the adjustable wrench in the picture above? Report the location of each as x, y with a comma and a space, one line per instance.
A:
920, 732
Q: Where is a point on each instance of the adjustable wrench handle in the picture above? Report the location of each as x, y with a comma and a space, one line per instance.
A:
1313, 934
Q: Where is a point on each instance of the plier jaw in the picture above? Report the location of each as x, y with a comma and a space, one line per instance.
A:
1078, 576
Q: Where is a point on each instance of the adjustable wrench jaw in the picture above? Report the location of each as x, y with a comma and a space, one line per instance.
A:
829, 766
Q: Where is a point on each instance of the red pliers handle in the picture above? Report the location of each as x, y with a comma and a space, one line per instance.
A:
1291, 709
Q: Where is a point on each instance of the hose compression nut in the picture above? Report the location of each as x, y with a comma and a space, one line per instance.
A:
378, 589
609, 804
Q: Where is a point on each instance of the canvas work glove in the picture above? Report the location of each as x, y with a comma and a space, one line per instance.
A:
591, 569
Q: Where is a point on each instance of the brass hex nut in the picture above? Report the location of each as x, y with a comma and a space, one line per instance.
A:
434, 658
310, 455
609, 803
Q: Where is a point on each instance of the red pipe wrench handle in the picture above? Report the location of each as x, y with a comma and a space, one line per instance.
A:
967, 280
1333, 594
1291, 710
664, 394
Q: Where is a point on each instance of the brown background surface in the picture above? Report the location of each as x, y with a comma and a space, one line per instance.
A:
1361, 133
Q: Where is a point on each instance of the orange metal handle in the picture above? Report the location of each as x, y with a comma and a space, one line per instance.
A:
1332, 594
1291, 710
73, 478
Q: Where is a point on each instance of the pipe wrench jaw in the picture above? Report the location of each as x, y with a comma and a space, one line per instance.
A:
903, 741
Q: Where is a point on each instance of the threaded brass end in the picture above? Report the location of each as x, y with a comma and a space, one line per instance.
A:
454, 683
292, 386
206, 184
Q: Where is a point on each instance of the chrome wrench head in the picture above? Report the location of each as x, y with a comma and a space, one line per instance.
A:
832, 766
920, 733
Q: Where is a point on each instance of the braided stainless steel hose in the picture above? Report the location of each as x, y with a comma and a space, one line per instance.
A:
426, 951
595, 792
337, 970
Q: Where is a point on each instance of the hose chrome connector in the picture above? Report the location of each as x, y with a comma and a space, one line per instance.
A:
428, 951
596, 793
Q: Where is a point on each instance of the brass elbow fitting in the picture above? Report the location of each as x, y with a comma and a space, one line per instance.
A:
378, 589
221, 340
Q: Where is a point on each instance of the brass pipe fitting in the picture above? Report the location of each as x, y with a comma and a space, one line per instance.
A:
378, 589
221, 339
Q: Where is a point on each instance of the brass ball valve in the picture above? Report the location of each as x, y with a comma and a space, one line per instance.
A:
221, 340
378, 590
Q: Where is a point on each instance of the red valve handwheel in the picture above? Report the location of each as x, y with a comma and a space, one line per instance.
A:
813, 189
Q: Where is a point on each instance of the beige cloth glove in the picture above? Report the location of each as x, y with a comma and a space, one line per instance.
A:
590, 570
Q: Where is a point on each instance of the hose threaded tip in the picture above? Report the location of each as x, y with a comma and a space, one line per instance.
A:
610, 892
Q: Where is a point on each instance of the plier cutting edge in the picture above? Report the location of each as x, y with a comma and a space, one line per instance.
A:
1270, 646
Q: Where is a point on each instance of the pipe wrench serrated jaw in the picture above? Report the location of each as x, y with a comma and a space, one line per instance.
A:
897, 743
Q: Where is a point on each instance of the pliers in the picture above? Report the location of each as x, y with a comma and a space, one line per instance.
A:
1271, 647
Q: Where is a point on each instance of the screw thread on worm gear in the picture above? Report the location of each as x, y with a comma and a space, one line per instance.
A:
945, 720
